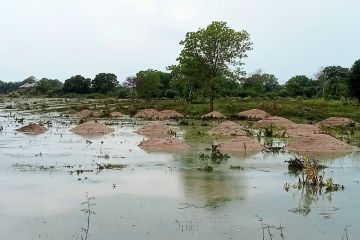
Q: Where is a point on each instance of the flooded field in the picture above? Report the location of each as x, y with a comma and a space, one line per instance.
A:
44, 180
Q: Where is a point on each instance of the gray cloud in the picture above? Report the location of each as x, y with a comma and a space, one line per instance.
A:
58, 39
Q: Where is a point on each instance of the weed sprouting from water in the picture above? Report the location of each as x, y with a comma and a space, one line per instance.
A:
216, 157
268, 230
88, 210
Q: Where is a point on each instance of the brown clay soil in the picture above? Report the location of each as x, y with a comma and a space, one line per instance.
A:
214, 115
240, 145
163, 145
86, 113
155, 130
254, 114
277, 122
228, 128
32, 128
299, 130
170, 114
152, 114
318, 143
91, 128
336, 122
117, 114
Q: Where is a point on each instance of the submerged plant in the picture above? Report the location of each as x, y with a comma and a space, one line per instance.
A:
88, 211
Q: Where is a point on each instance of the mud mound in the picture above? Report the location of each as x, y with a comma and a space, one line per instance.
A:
228, 128
277, 122
155, 130
336, 122
116, 114
91, 128
170, 114
213, 114
163, 145
86, 113
254, 114
319, 143
148, 114
299, 130
32, 128
241, 144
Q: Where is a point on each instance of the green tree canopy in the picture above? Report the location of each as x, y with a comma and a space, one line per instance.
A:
355, 80
48, 86
260, 83
148, 84
104, 82
77, 84
335, 82
301, 85
213, 53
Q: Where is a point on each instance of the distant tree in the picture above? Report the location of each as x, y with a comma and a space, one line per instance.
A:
48, 86
130, 83
30, 80
213, 53
104, 83
260, 83
355, 80
77, 84
300, 86
335, 82
148, 84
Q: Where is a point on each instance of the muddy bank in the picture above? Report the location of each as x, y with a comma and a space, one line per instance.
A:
228, 128
91, 128
156, 130
299, 130
319, 143
163, 145
86, 113
32, 128
153, 114
277, 122
213, 115
336, 122
240, 145
117, 114
254, 114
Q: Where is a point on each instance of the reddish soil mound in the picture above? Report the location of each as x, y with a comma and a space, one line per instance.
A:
155, 129
228, 128
116, 114
277, 122
163, 145
148, 114
241, 144
91, 128
319, 143
336, 122
170, 114
299, 130
86, 113
254, 114
32, 128
214, 114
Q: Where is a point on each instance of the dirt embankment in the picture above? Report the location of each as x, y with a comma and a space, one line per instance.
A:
254, 114
86, 113
32, 128
228, 128
277, 122
156, 130
336, 122
117, 114
299, 130
153, 114
163, 145
240, 145
213, 115
91, 128
318, 143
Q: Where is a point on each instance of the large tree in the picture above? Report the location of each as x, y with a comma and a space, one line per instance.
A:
355, 80
104, 82
148, 83
48, 86
77, 84
214, 53
301, 85
334, 82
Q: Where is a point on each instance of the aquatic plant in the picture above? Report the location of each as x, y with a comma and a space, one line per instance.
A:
88, 211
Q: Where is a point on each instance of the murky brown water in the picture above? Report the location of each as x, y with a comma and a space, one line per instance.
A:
158, 196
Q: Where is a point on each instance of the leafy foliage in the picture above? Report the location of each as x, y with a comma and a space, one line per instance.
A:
104, 82
77, 84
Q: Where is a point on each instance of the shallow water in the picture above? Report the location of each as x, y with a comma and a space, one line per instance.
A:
158, 196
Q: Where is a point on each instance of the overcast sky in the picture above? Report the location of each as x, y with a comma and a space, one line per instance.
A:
62, 38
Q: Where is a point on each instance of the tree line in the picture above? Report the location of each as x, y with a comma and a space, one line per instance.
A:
210, 65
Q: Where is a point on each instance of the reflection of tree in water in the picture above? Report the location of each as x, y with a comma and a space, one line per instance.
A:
210, 188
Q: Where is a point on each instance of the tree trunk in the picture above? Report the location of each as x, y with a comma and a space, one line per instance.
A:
212, 94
